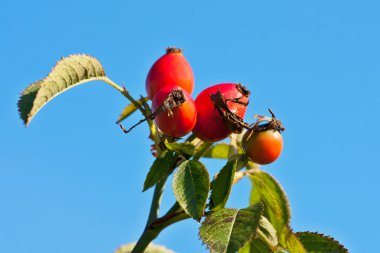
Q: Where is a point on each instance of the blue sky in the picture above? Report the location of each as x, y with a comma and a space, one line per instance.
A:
72, 181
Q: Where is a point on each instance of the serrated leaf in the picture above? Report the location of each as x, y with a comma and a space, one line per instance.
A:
219, 150
221, 185
256, 246
67, 73
191, 184
152, 248
185, 148
160, 168
320, 243
267, 190
291, 242
228, 230
131, 108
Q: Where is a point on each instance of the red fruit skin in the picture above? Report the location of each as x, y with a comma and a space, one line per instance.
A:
263, 147
172, 69
184, 116
210, 125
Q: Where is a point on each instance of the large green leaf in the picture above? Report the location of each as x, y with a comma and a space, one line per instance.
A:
222, 184
152, 248
267, 190
129, 109
67, 73
160, 168
185, 148
191, 184
228, 230
319, 243
219, 150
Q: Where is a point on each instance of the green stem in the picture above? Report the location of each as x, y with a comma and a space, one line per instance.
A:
150, 234
202, 150
233, 150
156, 200
175, 214
152, 127
125, 93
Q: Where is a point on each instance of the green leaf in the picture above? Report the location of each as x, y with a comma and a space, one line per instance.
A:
191, 184
291, 242
222, 184
256, 246
265, 241
242, 160
67, 73
319, 243
152, 248
267, 190
227, 230
160, 168
267, 232
219, 150
185, 148
131, 108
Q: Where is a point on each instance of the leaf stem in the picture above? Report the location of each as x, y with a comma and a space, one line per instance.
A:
145, 111
125, 93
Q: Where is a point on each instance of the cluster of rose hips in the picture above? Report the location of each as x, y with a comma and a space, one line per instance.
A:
216, 113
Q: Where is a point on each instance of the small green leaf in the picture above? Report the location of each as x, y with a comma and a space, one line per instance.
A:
67, 73
319, 243
152, 248
191, 184
131, 108
219, 150
221, 185
267, 190
160, 168
185, 148
227, 230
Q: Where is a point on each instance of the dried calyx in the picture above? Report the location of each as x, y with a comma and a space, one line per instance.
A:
174, 99
271, 123
233, 121
173, 50
237, 124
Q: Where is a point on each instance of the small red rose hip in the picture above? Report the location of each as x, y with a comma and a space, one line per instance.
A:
263, 147
210, 124
178, 121
172, 69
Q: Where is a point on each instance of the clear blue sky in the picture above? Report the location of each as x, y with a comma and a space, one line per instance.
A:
71, 182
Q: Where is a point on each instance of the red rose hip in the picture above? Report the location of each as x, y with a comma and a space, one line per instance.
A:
172, 69
263, 147
178, 121
210, 124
